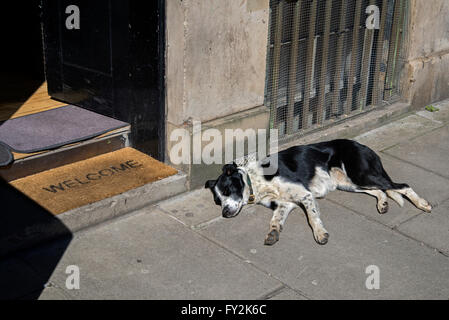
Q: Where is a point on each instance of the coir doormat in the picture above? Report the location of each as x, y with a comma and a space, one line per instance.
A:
77, 184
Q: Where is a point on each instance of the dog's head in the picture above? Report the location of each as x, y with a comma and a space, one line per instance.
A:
229, 190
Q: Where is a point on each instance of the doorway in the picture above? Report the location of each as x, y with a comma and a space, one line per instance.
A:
110, 61
22, 80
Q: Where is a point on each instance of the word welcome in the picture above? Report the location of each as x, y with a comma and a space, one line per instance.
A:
91, 177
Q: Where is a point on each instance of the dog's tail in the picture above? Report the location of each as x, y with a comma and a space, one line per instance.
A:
396, 196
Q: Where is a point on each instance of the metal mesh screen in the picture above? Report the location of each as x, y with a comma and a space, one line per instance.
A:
324, 64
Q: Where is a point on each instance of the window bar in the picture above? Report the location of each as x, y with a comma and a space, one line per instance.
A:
378, 83
366, 70
293, 67
355, 40
309, 67
339, 55
399, 59
393, 49
322, 88
276, 63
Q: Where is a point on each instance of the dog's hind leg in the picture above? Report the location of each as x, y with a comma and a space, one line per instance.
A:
344, 183
382, 204
382, 181
396, 196
419, 202
280, 214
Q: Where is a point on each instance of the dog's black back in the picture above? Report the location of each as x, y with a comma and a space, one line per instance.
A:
362, 165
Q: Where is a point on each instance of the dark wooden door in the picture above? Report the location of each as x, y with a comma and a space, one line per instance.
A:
107, 56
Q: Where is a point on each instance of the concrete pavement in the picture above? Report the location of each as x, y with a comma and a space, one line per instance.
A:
182, 249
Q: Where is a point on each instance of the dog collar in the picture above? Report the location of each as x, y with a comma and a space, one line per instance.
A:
252, 197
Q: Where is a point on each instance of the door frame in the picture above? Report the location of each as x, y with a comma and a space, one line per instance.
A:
138, 68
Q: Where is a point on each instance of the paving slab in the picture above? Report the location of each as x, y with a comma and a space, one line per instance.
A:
441, 115
152, 256
423, 182
287, 294
17, 279
338, 269
192, 208
24, 279
429, 151
53, 293
431, 229
397, 131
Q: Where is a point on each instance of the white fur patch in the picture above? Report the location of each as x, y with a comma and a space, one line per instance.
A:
322, 183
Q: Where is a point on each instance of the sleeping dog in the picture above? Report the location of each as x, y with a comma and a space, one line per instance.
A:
305, 173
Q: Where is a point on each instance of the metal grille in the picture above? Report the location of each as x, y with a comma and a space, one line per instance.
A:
324, 64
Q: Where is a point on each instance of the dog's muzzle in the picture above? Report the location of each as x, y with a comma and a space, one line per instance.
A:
227, 212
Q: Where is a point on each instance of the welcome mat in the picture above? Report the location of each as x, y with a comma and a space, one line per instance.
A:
52, 129
77, 184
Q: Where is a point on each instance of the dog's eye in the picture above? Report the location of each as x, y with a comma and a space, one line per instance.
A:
226, 192
217, 201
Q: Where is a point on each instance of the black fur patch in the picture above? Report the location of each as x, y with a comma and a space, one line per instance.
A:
229, 183
363, 166
273, 205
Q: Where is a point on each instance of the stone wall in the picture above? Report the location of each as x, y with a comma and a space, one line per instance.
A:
425, 76
216, 57
215, 70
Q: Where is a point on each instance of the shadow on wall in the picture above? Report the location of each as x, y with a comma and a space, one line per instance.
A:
23, 223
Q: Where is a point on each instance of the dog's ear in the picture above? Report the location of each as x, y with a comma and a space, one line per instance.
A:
210, 184
229, 169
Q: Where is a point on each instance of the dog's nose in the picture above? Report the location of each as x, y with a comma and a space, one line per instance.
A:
226, 212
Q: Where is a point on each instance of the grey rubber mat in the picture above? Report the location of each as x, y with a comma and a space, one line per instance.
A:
52, 129
5, 155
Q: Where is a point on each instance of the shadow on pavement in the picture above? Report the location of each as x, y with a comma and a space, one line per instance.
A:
23, 226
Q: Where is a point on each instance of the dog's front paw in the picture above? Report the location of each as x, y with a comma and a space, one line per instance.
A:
272, 238
321, 237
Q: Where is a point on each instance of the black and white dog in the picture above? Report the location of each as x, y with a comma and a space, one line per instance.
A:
305, 173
